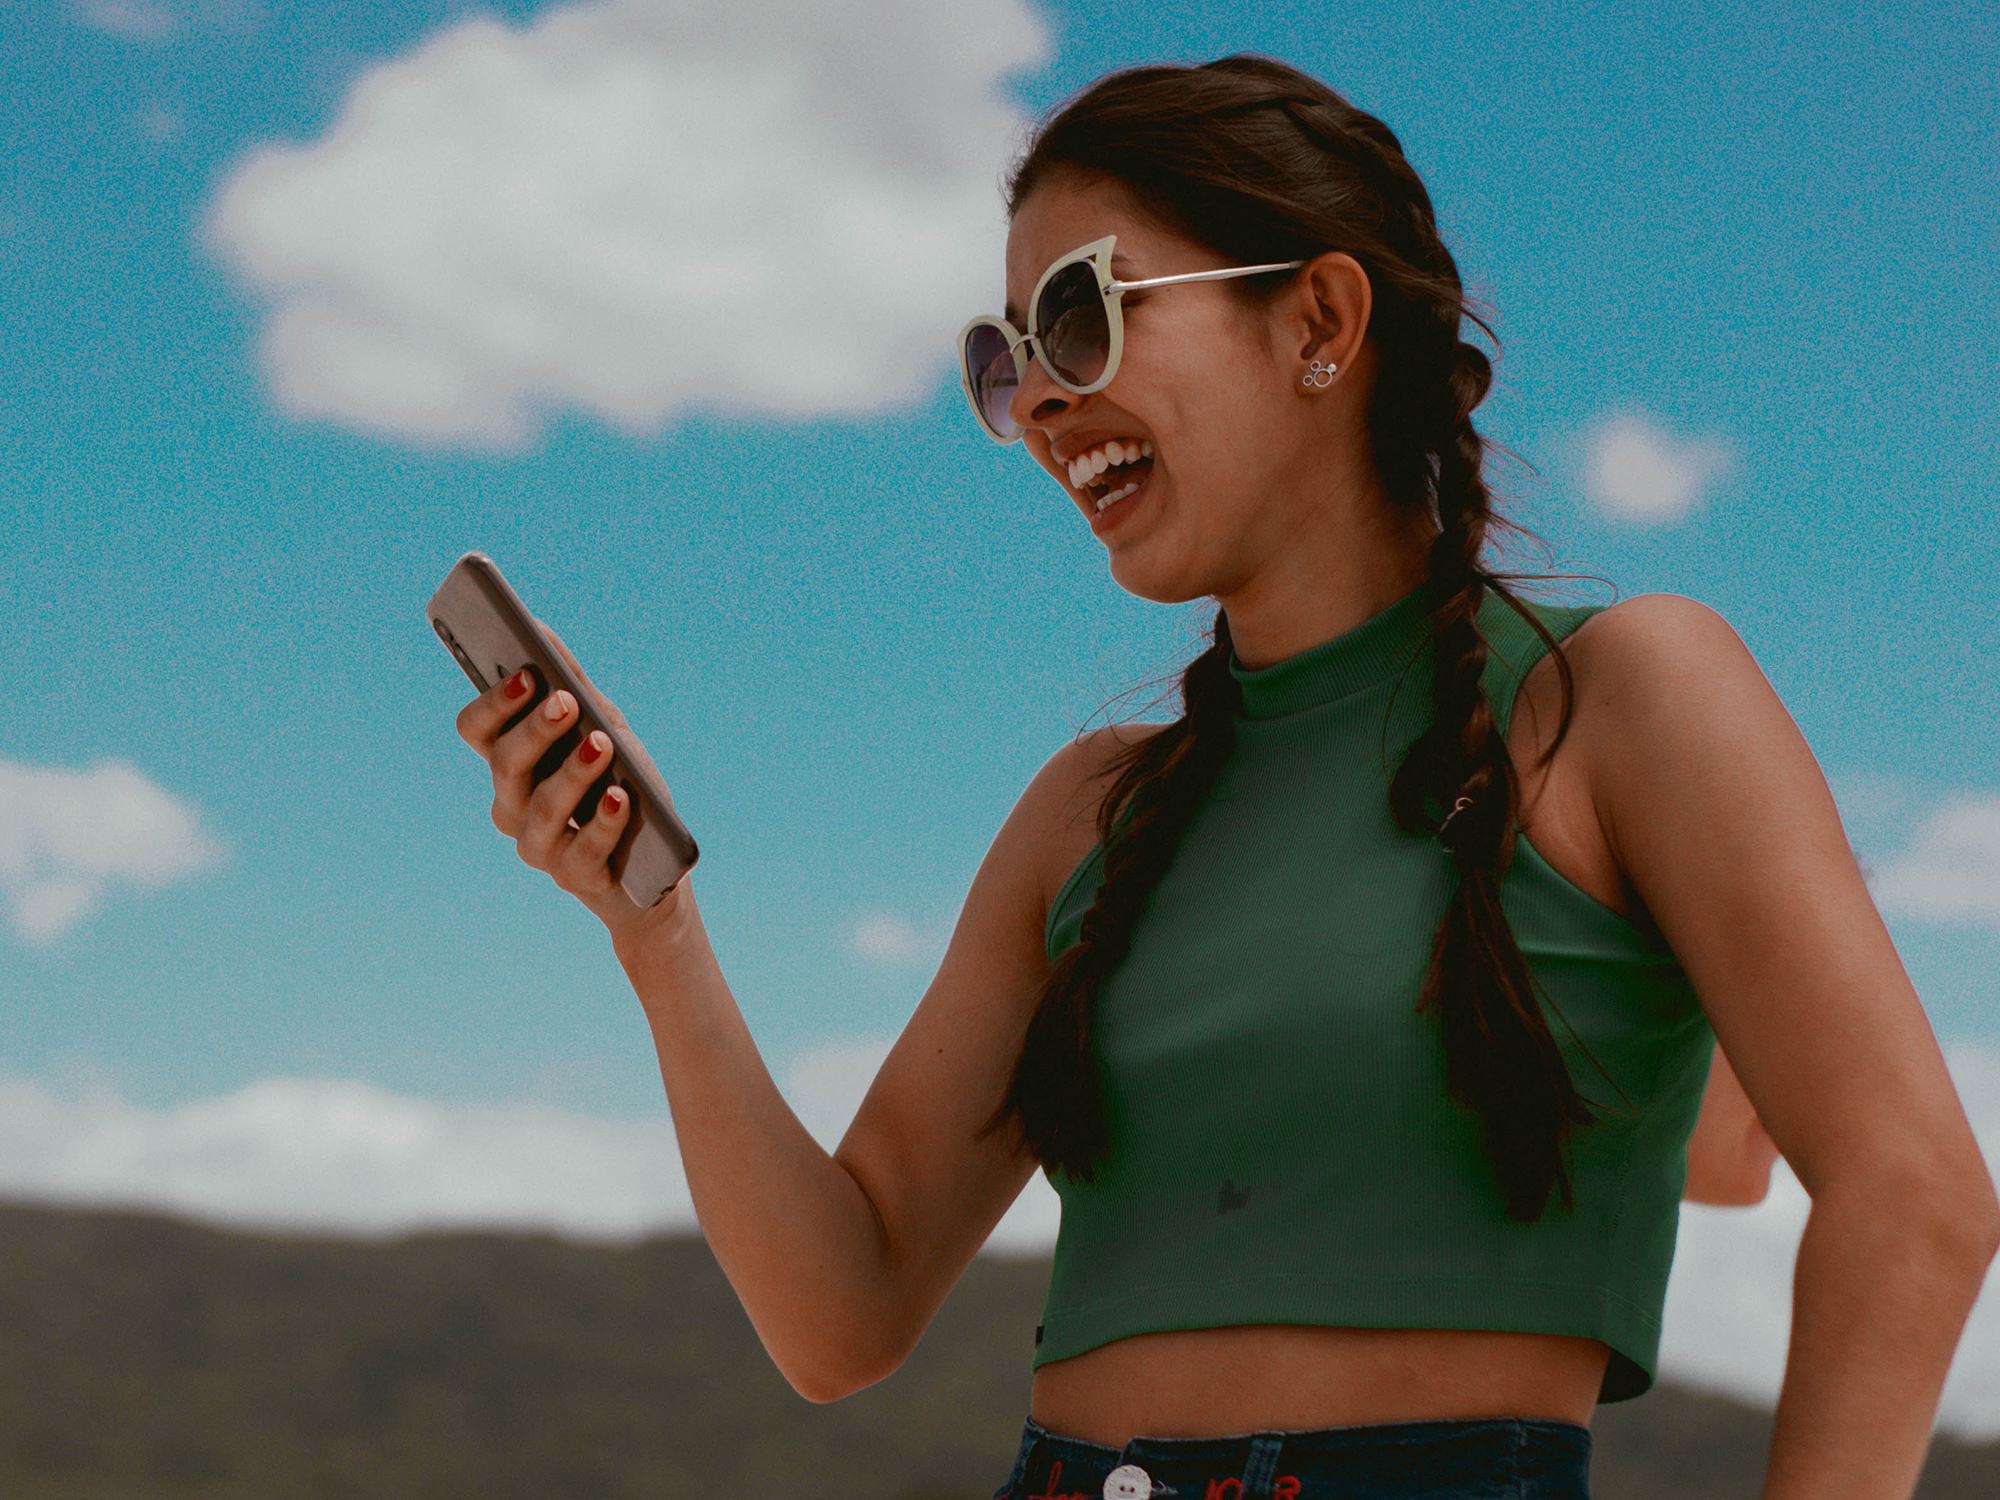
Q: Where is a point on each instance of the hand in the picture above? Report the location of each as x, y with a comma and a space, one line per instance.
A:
604, 707
514, 736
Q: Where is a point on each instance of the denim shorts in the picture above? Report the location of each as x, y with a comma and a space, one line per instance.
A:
1506, 1458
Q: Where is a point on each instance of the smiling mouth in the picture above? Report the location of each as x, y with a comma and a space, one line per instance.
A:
1111, 471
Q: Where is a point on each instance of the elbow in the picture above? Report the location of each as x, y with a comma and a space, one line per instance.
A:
1932, 1212
822, 1384
822, 1387
1965, 1218
838, 1367
1736, 1178
1985, 1225
1743, 1183
1951, 1215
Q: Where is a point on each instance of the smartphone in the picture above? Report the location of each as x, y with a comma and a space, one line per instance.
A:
490, 633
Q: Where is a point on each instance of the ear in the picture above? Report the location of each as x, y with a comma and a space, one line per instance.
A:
1331, 302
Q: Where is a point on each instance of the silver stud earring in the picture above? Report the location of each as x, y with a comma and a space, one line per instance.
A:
1320, 376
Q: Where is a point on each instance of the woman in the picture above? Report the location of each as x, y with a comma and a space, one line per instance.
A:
1362, 1015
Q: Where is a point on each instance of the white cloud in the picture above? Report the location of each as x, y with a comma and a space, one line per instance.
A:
1951, 870
825, 1088
135, 20
890, 939
43, 909
634, 207
826, 1085
1729, 1303
305, 1154
64, 835
293, 1153
155, 20
156, 124
1636, 472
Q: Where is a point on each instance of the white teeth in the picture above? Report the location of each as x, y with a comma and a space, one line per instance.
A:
1113, 454
1118, 494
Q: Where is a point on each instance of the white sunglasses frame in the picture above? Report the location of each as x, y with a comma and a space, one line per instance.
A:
1098, 254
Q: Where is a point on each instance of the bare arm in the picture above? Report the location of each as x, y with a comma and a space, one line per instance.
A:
840, 1259
1720, 817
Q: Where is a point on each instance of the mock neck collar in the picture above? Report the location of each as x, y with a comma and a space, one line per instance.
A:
1377, 649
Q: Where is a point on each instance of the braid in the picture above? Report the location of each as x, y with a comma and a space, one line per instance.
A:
1501, 1060
1056, 1091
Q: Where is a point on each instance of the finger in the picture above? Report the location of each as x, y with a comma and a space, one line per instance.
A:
549, 826
517, 756
482, 720
603, 704
583, 867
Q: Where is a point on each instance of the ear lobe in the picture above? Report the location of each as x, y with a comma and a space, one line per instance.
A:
1341, 300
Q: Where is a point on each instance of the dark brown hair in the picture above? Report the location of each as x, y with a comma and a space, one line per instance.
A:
1260, 163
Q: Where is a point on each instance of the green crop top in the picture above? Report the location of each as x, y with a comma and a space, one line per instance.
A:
1281, 1146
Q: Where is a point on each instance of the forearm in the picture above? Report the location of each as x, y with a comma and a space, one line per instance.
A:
791, 1228
1880, 1294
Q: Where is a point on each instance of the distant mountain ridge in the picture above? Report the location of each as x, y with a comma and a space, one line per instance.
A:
145, 1357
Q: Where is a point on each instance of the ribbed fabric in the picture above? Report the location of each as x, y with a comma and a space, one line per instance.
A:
1282, 1149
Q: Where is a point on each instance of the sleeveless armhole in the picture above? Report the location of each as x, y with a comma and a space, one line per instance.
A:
1513, 651
1513, 648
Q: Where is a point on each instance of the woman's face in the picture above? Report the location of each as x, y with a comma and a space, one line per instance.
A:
1206, 380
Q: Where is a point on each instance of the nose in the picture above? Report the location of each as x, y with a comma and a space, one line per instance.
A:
1037, 399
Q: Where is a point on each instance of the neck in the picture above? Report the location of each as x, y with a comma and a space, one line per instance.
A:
1346, 564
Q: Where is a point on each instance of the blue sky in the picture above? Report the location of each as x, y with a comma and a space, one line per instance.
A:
1763, 238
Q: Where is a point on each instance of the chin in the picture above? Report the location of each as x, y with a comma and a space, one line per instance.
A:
1154, 585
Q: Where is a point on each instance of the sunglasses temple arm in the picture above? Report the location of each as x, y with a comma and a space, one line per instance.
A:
1224, 275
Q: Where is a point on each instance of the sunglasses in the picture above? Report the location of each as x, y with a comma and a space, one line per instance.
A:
1075, 327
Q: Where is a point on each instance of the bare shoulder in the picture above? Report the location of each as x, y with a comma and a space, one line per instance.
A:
1643, 665
1658, 642
1694, 773
1668, 692
1654, 675
1052, 826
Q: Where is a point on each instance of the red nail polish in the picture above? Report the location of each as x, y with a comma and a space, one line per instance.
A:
517, 684
614, 802
589, 753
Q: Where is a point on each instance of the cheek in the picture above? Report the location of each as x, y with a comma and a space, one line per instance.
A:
1212, 390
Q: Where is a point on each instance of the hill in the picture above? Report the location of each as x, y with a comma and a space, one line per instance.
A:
143, 1358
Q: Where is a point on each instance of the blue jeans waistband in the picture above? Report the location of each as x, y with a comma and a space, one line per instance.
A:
1512, 1457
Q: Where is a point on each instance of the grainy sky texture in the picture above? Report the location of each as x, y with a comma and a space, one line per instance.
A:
652, 302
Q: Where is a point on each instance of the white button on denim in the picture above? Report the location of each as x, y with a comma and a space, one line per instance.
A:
1128, 1482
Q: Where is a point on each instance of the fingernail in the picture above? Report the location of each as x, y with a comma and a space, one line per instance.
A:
614, 802
557, 707
517, 685
593, 747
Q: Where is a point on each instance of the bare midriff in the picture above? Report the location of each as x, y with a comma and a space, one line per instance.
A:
1215, 1382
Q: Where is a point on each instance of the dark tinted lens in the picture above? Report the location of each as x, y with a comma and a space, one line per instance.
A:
1070, 324
989, 364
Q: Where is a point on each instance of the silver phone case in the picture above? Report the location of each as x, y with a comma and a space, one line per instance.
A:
491, 634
